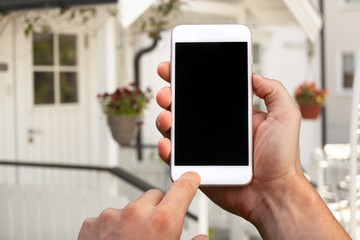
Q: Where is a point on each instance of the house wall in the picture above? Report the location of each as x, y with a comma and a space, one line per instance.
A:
341, 34
7, 92
283, 53
98, 71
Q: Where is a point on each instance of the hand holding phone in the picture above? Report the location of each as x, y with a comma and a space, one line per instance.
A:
212, 103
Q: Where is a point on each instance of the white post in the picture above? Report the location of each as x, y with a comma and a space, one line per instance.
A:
106, 77
106, 73
354, 123
203, 214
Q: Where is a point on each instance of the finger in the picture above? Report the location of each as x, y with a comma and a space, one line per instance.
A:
164, 71
181, 193
152, 197
163, 98
163, 123
273, 93
164, 149
200, 237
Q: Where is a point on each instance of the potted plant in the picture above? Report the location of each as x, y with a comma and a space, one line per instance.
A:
310, 99
123, 109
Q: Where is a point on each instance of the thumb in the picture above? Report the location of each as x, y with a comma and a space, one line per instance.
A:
274, 94
200, 237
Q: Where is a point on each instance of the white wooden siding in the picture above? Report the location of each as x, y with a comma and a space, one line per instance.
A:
48, 213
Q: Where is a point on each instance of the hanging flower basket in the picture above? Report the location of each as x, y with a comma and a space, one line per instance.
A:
310, 111
123, 128
310, 99
123, 109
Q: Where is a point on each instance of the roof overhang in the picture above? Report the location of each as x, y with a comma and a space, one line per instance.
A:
302, 12
252, 12
130, 10
7, 6
308, 17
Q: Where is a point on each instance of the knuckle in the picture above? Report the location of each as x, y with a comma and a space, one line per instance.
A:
156, 192
278, 83
107, 214
131, 211
88, 223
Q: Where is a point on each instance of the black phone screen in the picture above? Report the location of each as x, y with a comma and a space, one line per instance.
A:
211, 104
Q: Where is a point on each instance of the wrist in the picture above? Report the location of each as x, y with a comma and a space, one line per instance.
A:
295, 211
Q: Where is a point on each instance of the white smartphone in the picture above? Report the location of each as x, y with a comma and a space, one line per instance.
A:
211, 132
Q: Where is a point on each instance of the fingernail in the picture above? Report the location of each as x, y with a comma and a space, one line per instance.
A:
191, 175
257, 75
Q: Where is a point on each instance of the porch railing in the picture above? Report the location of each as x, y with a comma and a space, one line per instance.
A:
116, 171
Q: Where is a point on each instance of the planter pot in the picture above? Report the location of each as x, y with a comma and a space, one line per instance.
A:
123, 128
310, 111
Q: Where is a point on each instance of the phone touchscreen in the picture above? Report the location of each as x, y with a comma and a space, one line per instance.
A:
211, 102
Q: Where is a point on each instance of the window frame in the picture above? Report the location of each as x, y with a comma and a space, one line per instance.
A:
341, 91
56, 69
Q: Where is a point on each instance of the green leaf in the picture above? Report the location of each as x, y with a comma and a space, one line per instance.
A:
28, 29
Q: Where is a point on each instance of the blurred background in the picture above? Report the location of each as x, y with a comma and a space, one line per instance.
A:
59, 161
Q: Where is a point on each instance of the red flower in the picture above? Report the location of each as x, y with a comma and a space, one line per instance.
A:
128, 100
127, 91
116, 95
308, 93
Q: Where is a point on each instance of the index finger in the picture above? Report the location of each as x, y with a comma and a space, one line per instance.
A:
164, 71
181, 193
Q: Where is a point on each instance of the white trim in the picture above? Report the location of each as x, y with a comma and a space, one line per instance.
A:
56, 68
307, 16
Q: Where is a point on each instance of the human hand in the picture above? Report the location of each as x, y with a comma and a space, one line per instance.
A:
276, 146
279, 201
154, 215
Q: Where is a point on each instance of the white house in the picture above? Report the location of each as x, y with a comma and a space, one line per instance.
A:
65, 125
342, 42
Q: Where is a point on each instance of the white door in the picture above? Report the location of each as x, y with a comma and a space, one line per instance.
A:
52, 104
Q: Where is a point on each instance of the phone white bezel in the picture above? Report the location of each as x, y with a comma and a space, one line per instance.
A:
214, 175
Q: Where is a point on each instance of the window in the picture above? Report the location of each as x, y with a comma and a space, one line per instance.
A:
55, 78
348, 70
